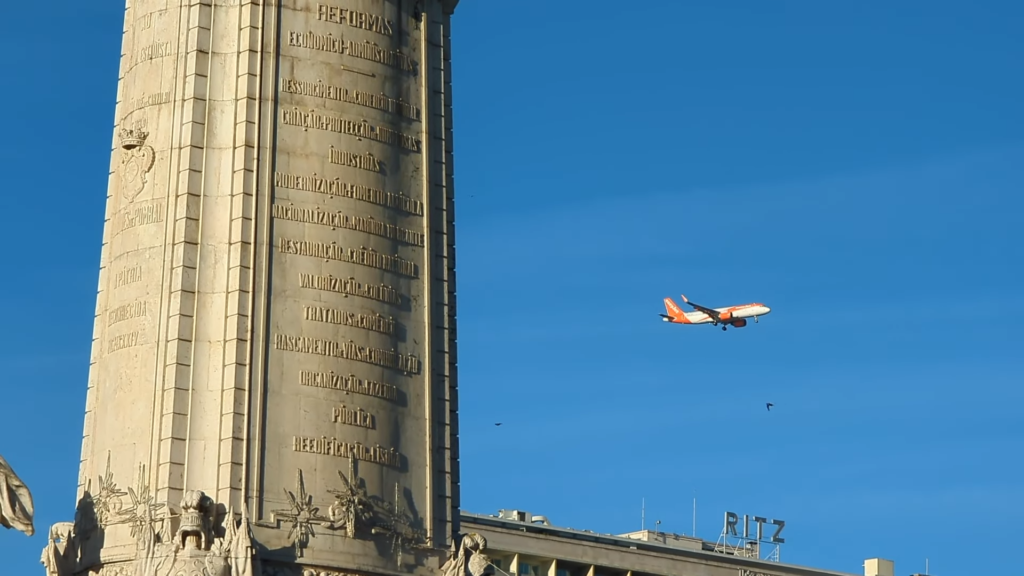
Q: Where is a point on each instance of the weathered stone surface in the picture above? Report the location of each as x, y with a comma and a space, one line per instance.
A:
275, 319
16, 507
467, 557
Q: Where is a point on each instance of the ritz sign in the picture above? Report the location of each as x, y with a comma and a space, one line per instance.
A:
731, 519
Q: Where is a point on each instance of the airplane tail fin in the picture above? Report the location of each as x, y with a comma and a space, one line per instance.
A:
673, 310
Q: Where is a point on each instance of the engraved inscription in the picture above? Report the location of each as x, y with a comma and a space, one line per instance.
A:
355, 19
146, 101
318, 42
350, 287
138, 216
361, 129
352, 160
341, 189
129, 275
353, 417
325, 446
379, 101
152, 52
136, 123
123, 341
361, 256
367, 50
364, 50
348, 384
124, 312
348, 351
144, 22
373, 322
339, 219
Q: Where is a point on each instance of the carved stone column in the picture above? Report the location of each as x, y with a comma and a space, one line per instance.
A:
275, 318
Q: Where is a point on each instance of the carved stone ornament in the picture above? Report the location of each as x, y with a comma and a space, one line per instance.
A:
353, 510
302, 516
116, 570
194, 550
16, 508
467, 558
137, 160
397, 524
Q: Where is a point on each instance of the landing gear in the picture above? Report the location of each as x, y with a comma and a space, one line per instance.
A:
723, 328
755, 319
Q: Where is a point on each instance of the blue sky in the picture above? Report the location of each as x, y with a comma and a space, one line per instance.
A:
859, 167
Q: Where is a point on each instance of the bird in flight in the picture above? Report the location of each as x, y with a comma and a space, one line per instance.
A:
497, 423
769, 406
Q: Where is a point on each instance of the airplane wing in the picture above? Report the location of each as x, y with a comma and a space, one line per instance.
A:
710, 312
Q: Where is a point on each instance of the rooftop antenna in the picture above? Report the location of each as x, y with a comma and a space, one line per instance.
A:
657, 525
643, 509
926, 567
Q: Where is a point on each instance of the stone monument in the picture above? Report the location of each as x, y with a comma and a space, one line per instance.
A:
273, 379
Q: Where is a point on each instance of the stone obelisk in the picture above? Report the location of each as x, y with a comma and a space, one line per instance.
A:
273, 378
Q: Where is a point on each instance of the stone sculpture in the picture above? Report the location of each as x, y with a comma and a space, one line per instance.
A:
467, 558
194, 549
353, 510
16, 509
353, 507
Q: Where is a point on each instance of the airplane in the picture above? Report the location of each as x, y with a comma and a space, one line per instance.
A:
735, 316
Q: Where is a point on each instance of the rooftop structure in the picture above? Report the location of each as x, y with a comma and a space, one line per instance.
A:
520, 543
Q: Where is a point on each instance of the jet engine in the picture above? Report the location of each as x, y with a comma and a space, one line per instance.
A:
740, 323
725, 315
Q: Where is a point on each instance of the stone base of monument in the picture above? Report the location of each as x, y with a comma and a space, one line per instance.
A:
200, 546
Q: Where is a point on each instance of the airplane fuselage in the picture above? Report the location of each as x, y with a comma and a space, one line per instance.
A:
727, 313
735, 316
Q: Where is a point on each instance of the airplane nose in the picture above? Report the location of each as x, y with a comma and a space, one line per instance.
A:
767, 309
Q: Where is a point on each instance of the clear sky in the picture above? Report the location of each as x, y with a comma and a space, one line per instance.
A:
857, 166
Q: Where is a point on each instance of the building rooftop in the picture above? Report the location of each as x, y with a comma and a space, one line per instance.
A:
508, 528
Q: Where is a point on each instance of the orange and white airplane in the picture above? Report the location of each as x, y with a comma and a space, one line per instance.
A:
735, 316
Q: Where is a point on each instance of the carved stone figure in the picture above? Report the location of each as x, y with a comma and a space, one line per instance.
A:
466, 557
197, 515
245, 560
59, 556
194, 550
16, 508
69, 542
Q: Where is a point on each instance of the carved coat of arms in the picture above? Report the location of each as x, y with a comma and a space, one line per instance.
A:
137, 160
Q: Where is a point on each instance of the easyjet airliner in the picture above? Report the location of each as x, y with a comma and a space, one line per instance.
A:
735, 316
